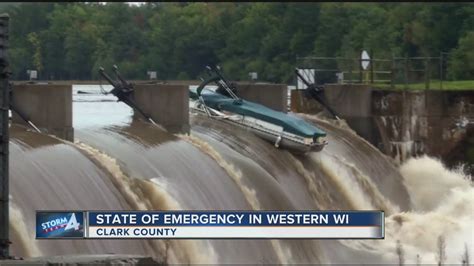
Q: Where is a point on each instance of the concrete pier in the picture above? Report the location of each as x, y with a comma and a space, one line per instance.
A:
354, 103
166, 104
271, 95
48, 106
350, 102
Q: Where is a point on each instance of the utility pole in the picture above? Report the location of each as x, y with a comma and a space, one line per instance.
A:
4, 137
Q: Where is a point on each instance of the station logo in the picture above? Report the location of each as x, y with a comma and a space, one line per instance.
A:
59, 224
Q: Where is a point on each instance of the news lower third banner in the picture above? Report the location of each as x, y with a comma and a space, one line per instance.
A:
210, 224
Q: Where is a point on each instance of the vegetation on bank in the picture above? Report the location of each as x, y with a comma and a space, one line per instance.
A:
434, 85
71, 40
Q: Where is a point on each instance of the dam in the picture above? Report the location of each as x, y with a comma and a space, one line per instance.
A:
395, 137
116, 162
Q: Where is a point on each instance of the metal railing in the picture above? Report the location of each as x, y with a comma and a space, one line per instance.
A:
396, 72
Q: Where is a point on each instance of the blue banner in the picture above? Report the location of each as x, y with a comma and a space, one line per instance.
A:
59, 224
237, 218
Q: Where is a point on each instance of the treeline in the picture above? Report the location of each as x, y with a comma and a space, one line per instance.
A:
71, 40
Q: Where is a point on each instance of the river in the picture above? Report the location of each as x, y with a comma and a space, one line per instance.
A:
116, 163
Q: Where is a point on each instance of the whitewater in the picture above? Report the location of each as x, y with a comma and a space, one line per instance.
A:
121, 164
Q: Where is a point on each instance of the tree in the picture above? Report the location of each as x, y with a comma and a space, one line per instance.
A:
71, 40
36, 43
461, 63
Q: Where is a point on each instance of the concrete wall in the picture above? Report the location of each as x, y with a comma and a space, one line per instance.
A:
417, 122
349, 100
167, 104
48, 106
353, 102
403, 124
271, 95
299, 104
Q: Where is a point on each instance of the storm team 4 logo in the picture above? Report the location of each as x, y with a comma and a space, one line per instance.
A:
59, 224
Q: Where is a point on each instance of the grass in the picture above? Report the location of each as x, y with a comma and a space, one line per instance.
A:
434, 85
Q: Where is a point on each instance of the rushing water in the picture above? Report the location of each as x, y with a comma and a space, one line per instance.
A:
116, 163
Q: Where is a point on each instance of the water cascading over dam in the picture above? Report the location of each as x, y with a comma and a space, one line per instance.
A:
132, 165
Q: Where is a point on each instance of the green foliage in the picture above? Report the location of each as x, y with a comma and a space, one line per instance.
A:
462, 58
36, 43
435, 85
72, 40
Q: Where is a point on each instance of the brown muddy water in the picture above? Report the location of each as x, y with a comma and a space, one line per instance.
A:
119, 164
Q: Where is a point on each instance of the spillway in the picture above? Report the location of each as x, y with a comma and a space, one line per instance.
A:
132, 165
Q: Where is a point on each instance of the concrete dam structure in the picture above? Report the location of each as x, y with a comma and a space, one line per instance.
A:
403, 124
118, 162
